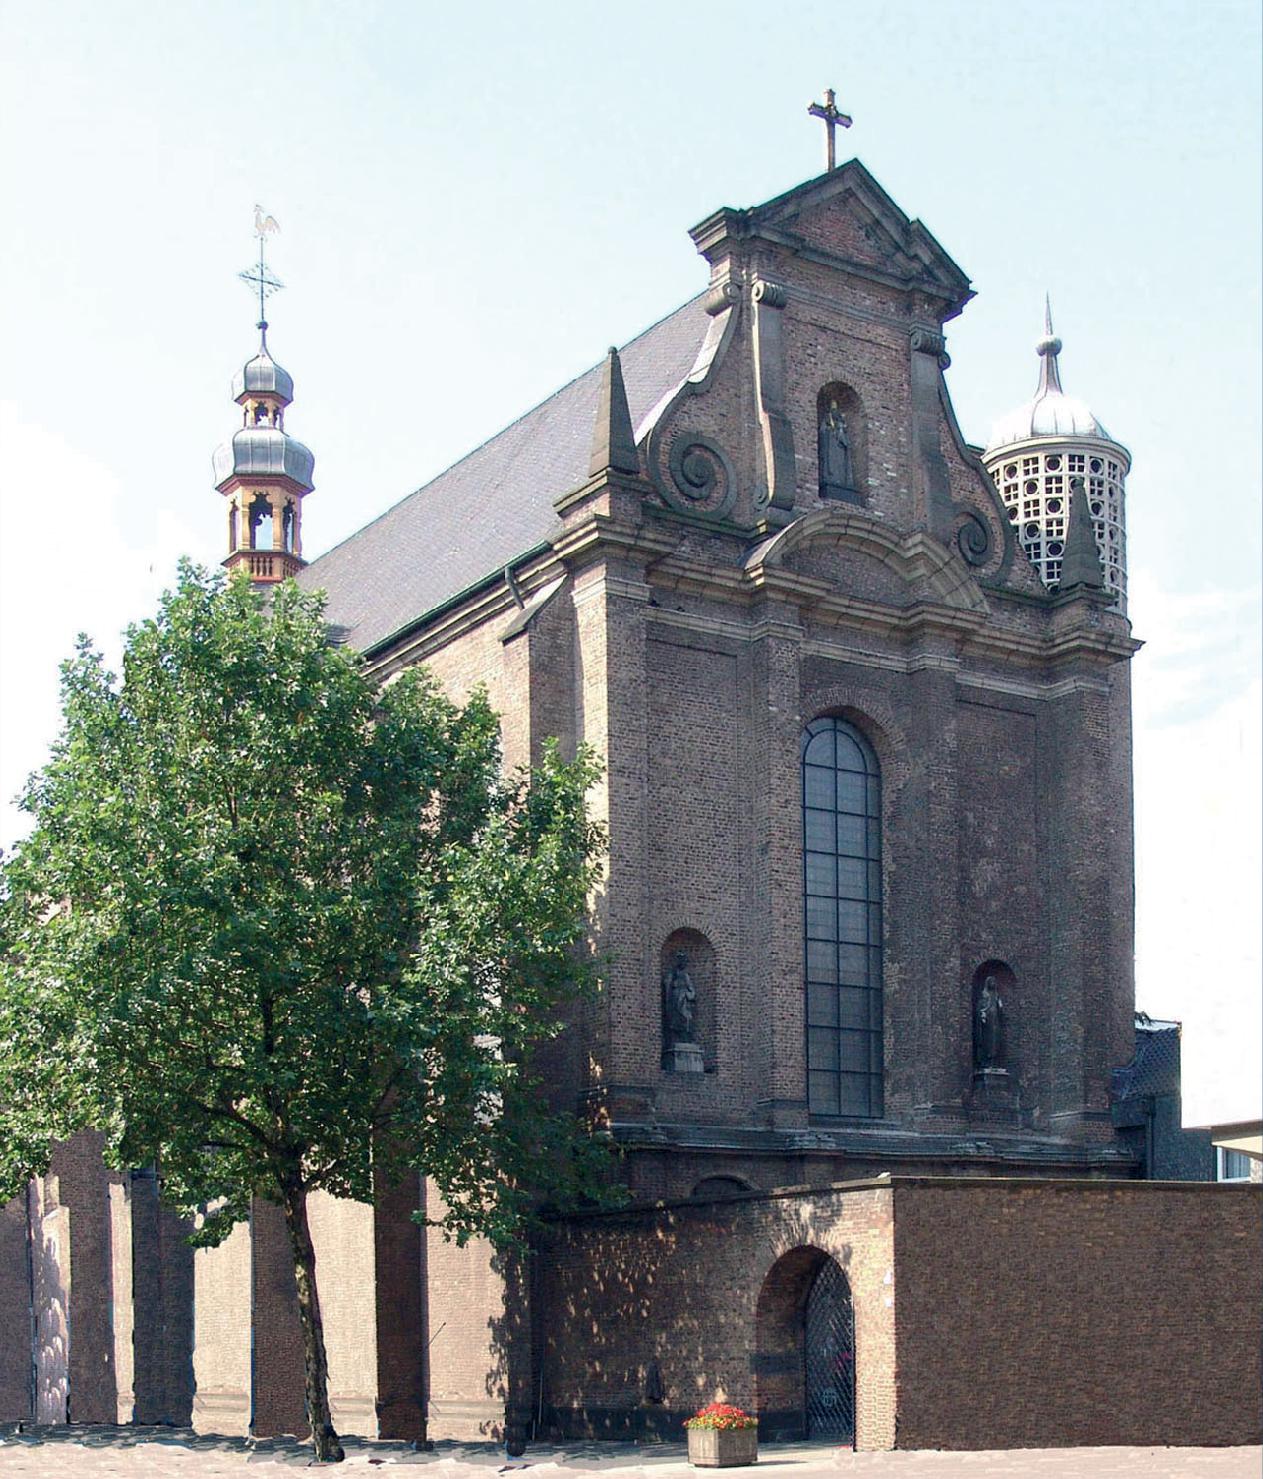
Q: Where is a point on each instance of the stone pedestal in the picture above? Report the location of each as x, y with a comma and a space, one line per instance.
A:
685, 1057
994, 1091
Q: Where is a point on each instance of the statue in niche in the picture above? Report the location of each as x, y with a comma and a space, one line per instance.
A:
988, 1027
655, 1387
679, 997
833, 448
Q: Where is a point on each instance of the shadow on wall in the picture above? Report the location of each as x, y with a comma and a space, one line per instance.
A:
642, 1317
50, 1247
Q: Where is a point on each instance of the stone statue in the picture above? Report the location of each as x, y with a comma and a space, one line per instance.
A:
834, 451
655, 1387
988, 1027
678, 998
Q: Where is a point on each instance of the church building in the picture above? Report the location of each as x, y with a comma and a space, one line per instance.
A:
861, 696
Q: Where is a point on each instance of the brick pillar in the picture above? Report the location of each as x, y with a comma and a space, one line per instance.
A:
399, 1291
277, 1397
123, 1318
16, 1371
774, 947
50, 1295
162, 1276
610, 600
92, 1393
1089, 892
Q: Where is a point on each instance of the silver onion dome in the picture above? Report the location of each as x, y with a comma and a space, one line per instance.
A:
1051, 412
263, 375
262, 451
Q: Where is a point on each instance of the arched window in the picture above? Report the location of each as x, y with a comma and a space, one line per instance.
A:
842, 927
260, 523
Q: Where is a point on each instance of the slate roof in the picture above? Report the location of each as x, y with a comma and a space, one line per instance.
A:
1156, 1067
494, 504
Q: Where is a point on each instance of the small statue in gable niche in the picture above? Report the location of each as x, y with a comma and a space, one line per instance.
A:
988, 1026
837, 474
679, 997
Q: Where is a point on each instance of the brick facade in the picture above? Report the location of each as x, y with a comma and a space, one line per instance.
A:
687, 617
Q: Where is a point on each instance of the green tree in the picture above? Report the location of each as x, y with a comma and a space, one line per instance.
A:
275, 927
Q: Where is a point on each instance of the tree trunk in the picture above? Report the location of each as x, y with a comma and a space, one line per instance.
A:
315, 1361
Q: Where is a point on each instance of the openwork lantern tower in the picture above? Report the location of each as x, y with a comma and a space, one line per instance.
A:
1050, 450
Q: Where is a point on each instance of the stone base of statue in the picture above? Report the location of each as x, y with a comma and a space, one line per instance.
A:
994, 1091
685, 1057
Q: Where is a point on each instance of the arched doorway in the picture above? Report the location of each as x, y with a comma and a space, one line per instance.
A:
829, 1355
805, 1349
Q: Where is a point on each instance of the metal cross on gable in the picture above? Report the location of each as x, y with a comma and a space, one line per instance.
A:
833, 118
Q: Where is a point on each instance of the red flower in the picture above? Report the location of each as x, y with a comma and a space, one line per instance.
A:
721, 1415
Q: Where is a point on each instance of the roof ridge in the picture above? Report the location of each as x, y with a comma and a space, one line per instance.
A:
507, 427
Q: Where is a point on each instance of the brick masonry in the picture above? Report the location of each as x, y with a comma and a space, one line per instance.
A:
990, 1313
687, 622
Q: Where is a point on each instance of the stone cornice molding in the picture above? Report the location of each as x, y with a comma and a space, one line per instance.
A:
600, 535
916, 558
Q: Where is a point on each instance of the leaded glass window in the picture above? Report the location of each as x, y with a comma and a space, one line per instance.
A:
842, 928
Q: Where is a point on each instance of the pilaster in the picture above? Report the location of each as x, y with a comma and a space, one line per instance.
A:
922, 1044
774, 949
277, 1403
1090, 970
610, 597
400, 1300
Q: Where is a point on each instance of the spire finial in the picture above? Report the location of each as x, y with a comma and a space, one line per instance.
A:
1048, 348
613, 442
261, 279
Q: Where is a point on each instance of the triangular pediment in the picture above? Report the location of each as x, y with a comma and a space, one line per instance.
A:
844, 217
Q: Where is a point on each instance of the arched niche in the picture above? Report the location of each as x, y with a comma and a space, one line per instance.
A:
689, 950
841, 444
991, 1025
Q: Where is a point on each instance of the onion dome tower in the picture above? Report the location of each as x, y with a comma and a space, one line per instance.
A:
1046, 453
263, 472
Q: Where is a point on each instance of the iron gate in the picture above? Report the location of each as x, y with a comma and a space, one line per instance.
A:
829, 1355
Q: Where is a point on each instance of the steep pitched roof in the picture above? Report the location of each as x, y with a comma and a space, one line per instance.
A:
494, 504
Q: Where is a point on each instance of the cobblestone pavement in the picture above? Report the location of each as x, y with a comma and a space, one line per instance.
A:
158, 1452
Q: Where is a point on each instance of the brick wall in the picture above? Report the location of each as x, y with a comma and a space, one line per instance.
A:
1035, 1314
709, 1292
988, 1314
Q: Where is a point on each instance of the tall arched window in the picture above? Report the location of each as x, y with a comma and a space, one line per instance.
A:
842, 920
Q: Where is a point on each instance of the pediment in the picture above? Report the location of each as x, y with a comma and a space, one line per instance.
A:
860, 558
846, 217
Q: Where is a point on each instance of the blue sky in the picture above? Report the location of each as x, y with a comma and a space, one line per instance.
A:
475, 201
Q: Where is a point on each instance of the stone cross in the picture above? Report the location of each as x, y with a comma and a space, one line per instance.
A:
833, 118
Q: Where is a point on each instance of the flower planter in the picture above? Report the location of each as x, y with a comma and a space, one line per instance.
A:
723, 1448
